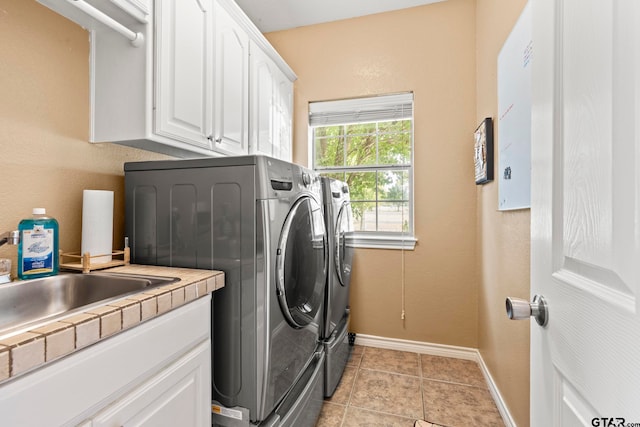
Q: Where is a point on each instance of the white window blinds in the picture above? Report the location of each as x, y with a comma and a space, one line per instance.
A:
361, 110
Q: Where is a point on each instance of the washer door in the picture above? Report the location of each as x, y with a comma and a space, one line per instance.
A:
343, 252
301, 263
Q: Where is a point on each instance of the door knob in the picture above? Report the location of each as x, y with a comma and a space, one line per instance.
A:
518, 309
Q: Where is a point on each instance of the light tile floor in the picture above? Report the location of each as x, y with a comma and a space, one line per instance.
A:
394, 388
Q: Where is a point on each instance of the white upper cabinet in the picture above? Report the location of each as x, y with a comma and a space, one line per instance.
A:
271, 100
262, 102
284, 116
184, 71
231, 105
182, 87
202, 76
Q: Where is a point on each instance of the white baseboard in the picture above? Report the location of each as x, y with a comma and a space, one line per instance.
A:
455, 352
497, 397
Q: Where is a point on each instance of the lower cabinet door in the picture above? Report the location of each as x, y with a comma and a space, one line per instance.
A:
179, 395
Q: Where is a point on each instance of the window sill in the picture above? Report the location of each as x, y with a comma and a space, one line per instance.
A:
407, 243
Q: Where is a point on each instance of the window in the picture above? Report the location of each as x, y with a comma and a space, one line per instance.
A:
368, 143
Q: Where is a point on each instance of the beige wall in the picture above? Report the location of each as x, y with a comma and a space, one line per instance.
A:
503, 237
469, 256
429, 50
45, 159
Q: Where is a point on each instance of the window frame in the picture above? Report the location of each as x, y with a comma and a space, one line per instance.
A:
404, 240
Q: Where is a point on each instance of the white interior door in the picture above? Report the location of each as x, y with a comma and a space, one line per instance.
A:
585, 230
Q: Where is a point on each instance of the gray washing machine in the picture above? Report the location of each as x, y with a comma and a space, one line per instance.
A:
335, 329
260, 220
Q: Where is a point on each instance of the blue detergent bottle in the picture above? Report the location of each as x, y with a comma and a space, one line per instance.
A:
38, 249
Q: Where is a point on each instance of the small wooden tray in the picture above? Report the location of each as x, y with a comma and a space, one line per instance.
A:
83, 261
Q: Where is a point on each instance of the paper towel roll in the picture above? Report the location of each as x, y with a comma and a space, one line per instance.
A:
97, 224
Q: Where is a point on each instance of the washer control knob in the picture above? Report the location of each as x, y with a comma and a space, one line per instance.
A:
306, 179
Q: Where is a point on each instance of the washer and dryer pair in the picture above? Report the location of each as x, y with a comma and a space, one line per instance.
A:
260, 220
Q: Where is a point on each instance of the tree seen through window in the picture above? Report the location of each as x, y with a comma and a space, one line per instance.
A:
374, 159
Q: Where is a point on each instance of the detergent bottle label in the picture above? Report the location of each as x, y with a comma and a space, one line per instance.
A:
37, 250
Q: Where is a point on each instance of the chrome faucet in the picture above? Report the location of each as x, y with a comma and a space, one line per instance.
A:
10, 237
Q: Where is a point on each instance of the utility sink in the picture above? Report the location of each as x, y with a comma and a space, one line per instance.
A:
26, 304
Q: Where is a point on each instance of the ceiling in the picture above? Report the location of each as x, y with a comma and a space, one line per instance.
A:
275, 15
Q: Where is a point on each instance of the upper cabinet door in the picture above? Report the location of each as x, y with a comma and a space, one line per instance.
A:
231, 109
262, 102
283, 125
271, 101
184, 50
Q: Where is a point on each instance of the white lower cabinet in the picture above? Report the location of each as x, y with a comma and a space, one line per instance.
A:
155, 374
172, 398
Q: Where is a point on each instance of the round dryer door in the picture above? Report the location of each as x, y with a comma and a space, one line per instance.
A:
301, 263
343, 253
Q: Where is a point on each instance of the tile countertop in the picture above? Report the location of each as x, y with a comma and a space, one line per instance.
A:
64, 335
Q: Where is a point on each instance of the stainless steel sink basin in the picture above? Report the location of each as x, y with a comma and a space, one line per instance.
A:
27, 304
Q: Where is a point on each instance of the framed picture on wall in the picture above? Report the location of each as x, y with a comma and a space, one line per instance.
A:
483, 151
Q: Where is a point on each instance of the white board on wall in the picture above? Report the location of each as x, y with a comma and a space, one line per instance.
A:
514, 116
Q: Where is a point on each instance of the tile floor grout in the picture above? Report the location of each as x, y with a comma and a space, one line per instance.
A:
344, 415
424, 405
452, 392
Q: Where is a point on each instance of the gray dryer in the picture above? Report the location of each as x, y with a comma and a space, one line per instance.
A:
259, 220
335, 330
